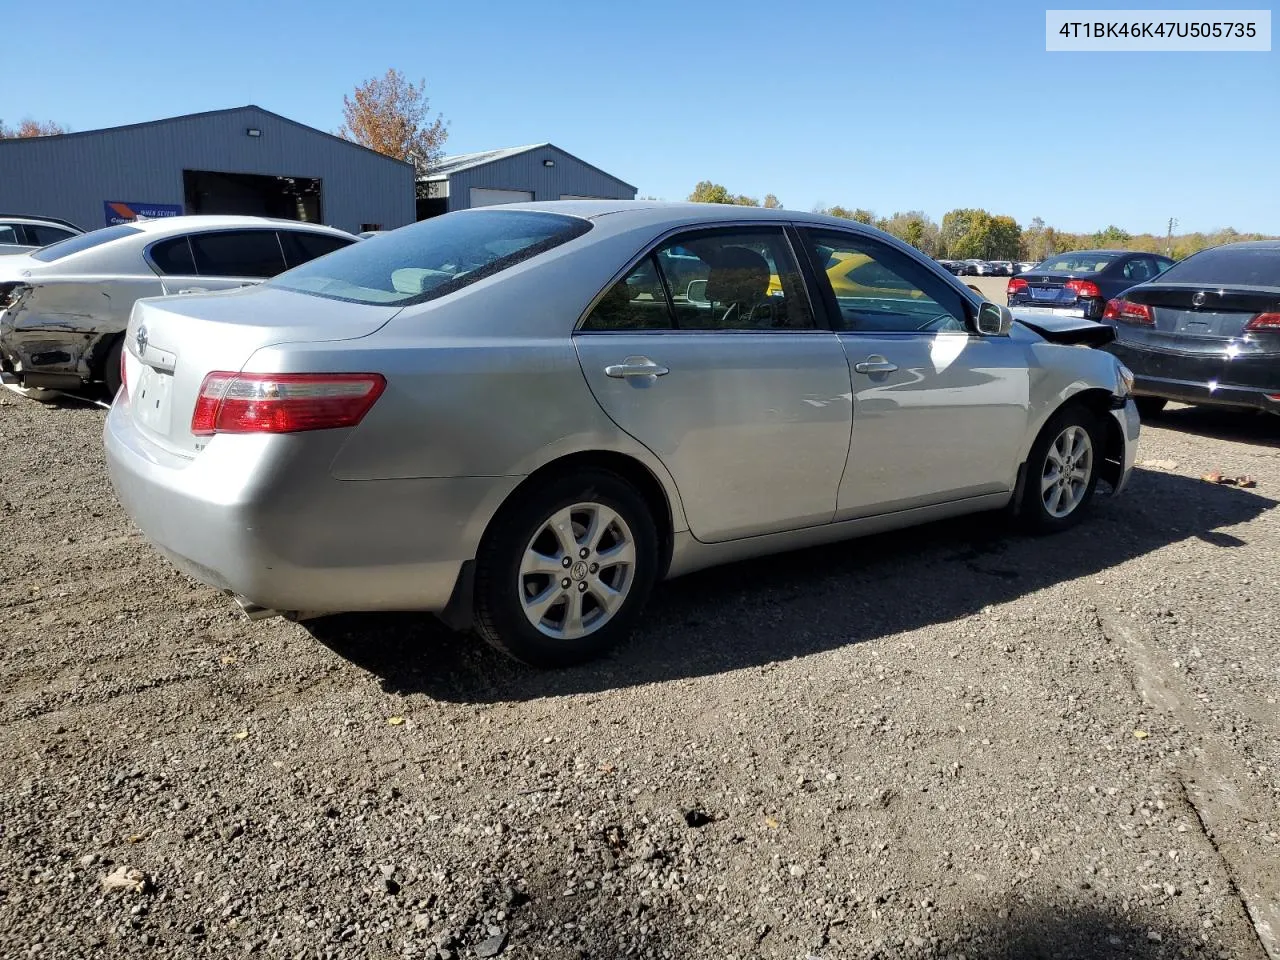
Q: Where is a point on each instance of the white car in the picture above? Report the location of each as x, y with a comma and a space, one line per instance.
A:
21, 234
64, 307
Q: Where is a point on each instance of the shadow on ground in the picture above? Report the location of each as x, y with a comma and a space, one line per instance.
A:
1241, 426
776, 608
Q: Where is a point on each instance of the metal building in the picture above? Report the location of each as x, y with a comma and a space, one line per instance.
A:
244, 160
538, 171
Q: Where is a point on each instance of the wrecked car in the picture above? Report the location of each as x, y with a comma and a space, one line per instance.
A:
64, 307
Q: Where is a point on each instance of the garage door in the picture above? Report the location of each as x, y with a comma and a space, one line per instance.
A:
484, 197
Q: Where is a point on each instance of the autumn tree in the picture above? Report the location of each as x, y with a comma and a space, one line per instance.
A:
771, 202
914, 227
860, 215
31, 128
392, 116
1112, 236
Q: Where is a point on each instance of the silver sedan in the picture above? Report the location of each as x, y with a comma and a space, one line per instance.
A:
521, 418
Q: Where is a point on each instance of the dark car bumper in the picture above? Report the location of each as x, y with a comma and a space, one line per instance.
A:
1219, 379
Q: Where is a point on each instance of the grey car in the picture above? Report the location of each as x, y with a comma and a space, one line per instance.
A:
513, 417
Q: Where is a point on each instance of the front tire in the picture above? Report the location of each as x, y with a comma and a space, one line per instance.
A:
564, 571
1062, 471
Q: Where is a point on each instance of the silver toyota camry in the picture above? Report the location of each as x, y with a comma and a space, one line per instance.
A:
520, 418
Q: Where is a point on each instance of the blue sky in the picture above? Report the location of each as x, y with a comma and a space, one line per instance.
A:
885, 104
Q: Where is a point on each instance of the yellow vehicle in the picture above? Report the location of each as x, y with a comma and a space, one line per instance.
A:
857, 275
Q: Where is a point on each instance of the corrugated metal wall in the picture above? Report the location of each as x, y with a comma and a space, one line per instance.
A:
526, 171
70, 177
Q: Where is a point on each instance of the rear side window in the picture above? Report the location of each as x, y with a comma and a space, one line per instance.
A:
1241, 266
302, 246
9, 234
237, 253
434, 257
173, 257
42, 236
85, 241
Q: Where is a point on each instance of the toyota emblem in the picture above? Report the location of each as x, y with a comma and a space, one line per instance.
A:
140, 339
1198, 300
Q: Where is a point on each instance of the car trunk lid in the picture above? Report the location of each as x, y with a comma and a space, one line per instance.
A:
172, 343
1208, 313
1049, 289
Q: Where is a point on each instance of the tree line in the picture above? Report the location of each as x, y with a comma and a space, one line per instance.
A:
974, 233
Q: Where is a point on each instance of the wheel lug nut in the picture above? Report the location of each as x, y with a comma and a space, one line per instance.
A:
584, 553
565, 583
595, 568
582, 587
566, 563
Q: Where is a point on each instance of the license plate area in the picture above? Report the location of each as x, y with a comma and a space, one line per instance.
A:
151, 399
1044, 293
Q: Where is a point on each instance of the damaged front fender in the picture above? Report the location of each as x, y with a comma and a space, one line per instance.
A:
58, 334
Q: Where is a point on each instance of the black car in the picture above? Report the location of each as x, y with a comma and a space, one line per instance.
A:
1207, 330
1080, 283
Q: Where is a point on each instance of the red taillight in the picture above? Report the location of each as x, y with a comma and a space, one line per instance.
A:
1016, 285
1126, 311
1083, 288
283, 402
1264, 321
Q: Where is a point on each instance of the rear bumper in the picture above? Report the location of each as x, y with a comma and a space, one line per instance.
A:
1203, 378
261, 517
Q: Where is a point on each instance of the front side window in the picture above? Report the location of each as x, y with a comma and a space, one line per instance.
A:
433, 257
877, 288
237, 253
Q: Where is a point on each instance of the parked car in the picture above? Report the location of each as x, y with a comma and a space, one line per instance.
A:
976, 268
1024, 266
509, 417
20, 233
1079, 284
952, 267
1206, 331
366, 234
1001, 268
64, 307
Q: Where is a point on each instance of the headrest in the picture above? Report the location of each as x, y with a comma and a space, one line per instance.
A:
738, 275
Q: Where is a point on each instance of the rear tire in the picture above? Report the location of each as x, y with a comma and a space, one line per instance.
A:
1062, 471
589, 530
111, 368
1149, 407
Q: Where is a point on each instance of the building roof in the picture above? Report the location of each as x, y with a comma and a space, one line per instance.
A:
204, 113
445, 167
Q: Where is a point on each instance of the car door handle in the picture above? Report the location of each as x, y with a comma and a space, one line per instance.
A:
875, 364
635, 367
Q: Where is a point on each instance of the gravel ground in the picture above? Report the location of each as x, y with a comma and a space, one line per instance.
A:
950, 742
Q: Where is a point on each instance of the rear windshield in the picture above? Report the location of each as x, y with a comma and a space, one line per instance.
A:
1077, 263
85, 241
431, 258
1223, 266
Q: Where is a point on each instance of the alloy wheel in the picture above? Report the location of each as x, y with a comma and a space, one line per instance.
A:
1068, 468
577, 570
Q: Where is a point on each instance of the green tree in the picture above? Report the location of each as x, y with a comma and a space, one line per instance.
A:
914, 227
860, 215
968, 233
1112, 236
771, 202
707, 192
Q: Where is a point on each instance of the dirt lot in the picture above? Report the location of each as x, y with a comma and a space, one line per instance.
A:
953, 742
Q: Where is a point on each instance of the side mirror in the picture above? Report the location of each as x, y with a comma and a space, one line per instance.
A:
696, 292
994, 320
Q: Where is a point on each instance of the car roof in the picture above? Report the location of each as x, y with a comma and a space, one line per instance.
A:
34, 218
1248, 245
165, 225
1092, 253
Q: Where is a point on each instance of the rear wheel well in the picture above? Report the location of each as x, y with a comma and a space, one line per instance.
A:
624, 466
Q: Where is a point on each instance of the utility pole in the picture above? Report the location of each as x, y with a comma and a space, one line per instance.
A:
1168, 243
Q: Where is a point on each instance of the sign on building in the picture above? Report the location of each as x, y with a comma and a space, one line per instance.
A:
118, 211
